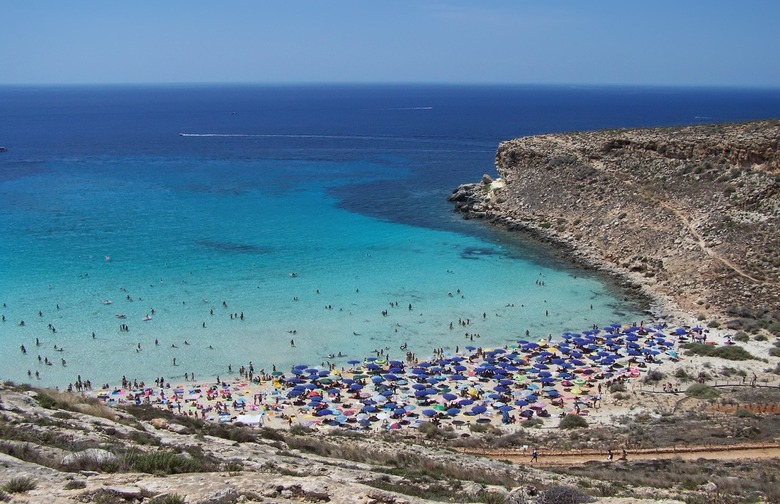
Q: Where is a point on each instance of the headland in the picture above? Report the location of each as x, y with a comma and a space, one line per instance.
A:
689, 215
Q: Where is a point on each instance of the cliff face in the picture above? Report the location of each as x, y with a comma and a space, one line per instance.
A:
690, 213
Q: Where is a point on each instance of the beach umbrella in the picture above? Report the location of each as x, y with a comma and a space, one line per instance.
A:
453, 411
478, 409
449, 397
429, 412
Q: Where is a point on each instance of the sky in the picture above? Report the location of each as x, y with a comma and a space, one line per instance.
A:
567, 42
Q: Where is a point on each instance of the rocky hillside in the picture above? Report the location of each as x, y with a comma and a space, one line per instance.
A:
65, 448
688, 213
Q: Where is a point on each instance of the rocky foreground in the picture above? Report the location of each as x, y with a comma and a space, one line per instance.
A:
689, 214
64, 448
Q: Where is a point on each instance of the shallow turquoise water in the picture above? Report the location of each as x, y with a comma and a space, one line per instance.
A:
181, 247
101, 198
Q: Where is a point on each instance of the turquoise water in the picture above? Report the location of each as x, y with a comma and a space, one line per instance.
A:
295, 264
311, 212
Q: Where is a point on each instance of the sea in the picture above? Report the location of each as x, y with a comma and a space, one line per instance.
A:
153, 231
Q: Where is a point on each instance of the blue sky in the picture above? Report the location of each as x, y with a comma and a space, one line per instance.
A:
659, 42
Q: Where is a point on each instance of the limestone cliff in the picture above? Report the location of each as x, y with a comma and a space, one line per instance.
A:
689, 213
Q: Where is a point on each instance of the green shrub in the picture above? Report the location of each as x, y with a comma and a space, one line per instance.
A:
531, 423
743, 413
4, 497
617, 387
20, 485
774, 352
714, 324
682, 375
162, 462
701, 391
573, 422
732, 352
741, 337
653, 376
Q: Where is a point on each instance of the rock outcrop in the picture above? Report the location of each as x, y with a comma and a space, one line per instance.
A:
689, 214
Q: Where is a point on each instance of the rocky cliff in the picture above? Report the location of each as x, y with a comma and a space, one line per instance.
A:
689, 214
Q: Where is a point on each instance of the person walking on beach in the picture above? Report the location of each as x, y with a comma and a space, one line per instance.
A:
534, 456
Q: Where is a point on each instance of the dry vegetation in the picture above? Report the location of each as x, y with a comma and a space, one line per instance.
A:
418, 465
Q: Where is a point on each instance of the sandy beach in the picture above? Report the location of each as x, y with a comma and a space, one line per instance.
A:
571, 375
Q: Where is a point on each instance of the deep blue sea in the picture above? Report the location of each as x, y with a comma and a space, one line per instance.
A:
243, 219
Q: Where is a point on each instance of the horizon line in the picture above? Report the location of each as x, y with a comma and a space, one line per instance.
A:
388, 84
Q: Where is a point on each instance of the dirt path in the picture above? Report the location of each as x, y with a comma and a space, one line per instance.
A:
703, 244
558, 458
680, 215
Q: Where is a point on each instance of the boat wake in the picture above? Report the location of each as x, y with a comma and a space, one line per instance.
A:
310, 136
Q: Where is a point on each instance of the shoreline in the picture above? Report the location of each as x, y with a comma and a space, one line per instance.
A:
462, 390
473, 203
